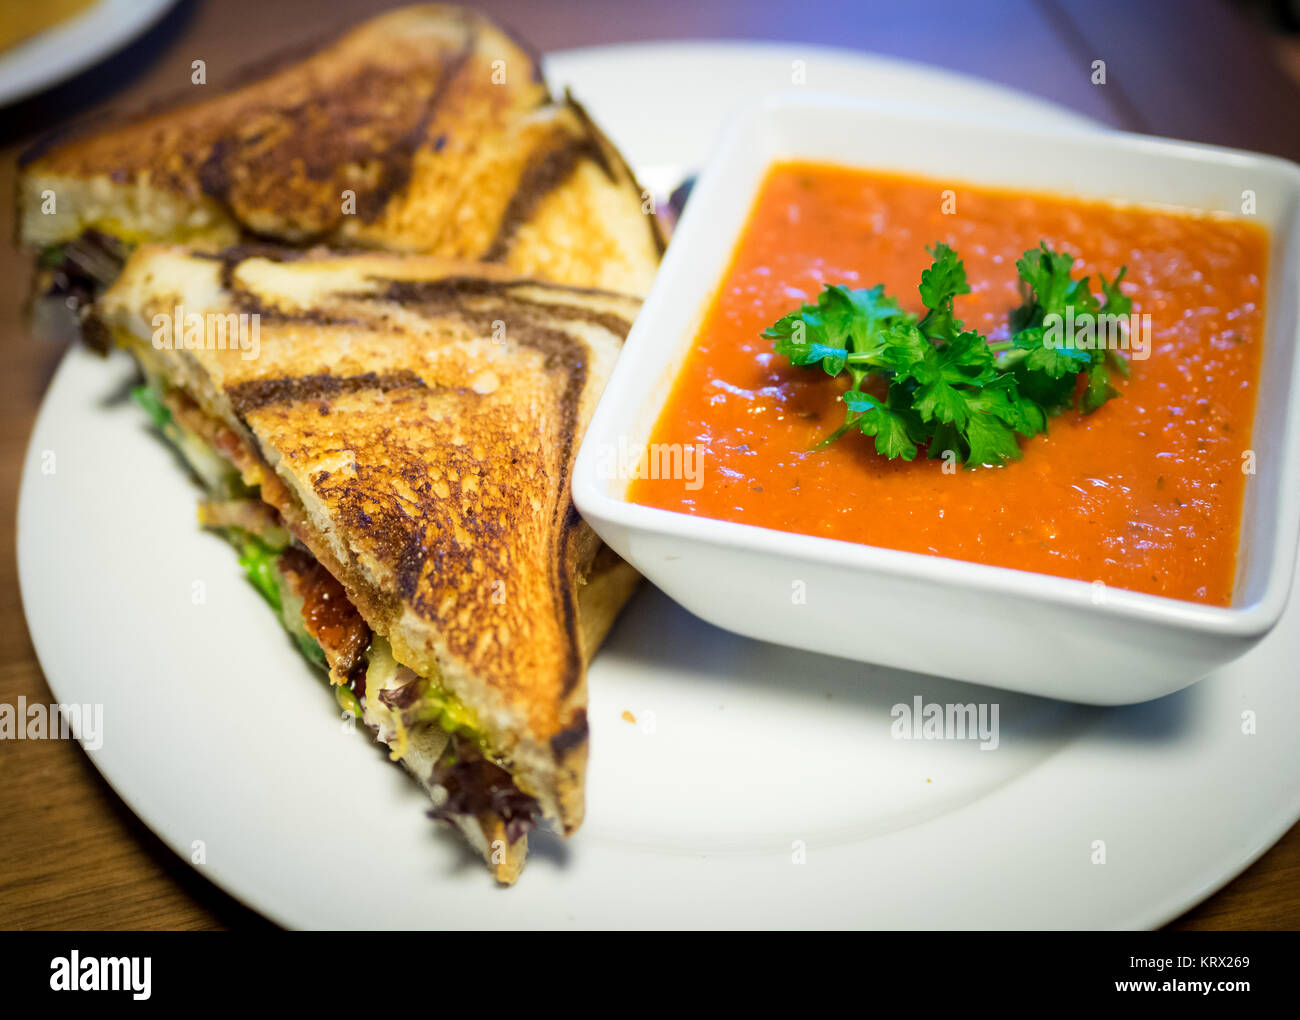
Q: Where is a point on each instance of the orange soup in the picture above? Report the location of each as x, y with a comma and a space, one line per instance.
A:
1146, 493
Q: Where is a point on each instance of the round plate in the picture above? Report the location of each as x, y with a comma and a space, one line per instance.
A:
757, 786
71, 46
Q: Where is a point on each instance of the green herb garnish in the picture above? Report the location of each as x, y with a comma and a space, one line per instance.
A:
935, 383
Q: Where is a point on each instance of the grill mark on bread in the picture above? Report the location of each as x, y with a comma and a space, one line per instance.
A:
545, 172
451, 293
231, 257
573, 735
399, 163
257, 394
249, 302
452, 286
594, 132
615, 324
292, 136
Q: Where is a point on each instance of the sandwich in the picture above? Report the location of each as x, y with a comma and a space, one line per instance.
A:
427, 129
387, 440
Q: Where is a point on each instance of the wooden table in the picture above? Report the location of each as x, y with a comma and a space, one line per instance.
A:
74, 855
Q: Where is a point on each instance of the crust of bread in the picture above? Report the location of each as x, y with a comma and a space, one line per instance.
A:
611, 582
415, 421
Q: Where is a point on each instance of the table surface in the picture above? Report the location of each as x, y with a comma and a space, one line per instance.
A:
75, 856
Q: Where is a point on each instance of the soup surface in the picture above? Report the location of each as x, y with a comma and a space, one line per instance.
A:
1145, 494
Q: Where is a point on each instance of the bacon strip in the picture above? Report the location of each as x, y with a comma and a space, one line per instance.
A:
328, 614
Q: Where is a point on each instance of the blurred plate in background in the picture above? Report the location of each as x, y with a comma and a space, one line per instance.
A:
69, 47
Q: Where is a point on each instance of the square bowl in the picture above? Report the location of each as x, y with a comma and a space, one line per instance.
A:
1002, 627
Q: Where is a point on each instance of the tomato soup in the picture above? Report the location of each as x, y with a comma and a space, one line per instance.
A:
1146, 493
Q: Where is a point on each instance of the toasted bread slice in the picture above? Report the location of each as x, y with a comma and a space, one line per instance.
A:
414, 421
426, 129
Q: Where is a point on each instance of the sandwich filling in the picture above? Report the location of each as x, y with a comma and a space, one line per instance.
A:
469, 781
70, 276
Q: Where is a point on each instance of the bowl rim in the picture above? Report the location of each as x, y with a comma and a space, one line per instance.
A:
644, 357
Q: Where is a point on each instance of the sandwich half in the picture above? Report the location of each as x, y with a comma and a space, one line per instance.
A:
426, 129
388, 441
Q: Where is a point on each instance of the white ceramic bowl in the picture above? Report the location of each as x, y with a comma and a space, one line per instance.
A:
1007, 628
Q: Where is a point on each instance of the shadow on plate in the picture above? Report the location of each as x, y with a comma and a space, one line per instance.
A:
656, 632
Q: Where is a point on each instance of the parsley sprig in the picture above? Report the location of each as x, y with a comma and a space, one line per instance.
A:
935, 383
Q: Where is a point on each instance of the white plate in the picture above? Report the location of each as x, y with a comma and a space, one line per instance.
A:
222, 739
72, 46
